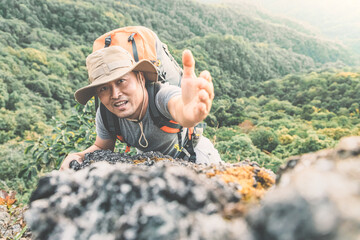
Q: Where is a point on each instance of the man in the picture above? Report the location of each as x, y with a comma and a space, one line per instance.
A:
119, 82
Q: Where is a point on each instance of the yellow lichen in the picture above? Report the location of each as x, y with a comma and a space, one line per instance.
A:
253, 181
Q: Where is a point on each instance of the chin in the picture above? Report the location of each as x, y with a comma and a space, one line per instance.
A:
128, 113
124, 115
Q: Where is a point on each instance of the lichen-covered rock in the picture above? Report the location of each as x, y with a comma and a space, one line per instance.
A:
147, 158
317, 197
149, 200
248, 178
148, 196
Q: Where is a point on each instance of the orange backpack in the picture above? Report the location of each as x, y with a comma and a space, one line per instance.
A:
143, 43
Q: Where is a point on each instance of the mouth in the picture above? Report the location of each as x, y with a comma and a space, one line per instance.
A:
120, 104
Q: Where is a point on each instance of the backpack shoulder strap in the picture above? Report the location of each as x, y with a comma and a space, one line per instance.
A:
110, 120
170, 126
111, 123
158, 118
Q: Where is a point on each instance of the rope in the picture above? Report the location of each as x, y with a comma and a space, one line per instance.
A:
142, 135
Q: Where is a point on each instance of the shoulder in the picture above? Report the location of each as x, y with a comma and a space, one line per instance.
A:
163, 96
168, 90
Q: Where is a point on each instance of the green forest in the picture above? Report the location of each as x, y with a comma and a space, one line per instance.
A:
280, 90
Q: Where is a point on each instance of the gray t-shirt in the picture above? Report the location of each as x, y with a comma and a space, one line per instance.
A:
157, 139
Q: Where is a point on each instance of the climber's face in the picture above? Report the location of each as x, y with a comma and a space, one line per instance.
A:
124, 96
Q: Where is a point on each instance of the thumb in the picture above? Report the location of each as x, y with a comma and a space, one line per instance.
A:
188, 64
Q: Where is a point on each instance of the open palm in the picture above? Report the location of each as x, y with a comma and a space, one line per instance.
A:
197, 92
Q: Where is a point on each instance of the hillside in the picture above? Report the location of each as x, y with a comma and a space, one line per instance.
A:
45, 44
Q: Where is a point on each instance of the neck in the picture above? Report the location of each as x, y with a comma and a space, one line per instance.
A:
143, 106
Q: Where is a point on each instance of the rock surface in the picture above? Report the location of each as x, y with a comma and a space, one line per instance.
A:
12, 222
317, 196
156, 198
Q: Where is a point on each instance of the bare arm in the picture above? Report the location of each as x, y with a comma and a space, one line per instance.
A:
197, 94
100, 144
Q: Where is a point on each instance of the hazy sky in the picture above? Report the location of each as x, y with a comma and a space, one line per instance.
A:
333, 19
331, 6
337, 19
340, 9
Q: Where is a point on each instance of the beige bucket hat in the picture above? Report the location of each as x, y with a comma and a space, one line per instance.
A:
108, 64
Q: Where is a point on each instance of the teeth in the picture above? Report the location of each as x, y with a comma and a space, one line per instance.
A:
118, 104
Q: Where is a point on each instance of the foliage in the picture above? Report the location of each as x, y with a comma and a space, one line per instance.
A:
75, 134
12, 161
264, 139
45, 43
239, 147
326, 91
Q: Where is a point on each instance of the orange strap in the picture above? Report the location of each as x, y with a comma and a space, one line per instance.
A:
190, 131
169, 129
128, 148
120, 138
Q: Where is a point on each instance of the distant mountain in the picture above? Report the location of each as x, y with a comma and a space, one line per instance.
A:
338, 20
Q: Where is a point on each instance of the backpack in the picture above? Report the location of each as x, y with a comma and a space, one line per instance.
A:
142, 43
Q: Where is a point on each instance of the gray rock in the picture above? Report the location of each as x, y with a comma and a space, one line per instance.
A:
317, 197
126, 201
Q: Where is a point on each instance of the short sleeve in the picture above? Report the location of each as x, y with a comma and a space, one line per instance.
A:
100, 128
163, 96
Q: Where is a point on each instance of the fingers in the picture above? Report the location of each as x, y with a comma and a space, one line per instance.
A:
188, 64
206, 75
209, 87
205, 99
68, 159
202, 110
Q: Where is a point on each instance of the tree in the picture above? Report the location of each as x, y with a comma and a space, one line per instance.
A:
264, 139
4, 96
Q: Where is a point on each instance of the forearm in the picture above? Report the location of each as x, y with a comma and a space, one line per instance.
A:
94, 147
100, 144
89, 150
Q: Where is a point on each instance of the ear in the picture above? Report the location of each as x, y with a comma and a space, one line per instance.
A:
142, 76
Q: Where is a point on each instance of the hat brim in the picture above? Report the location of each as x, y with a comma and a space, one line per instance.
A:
84, 94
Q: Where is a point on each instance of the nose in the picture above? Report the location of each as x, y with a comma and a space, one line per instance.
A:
115, 92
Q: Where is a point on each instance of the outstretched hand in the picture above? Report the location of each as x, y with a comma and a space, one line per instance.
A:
197, 92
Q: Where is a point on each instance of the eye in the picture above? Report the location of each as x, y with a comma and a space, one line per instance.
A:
120, 81
102, 89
